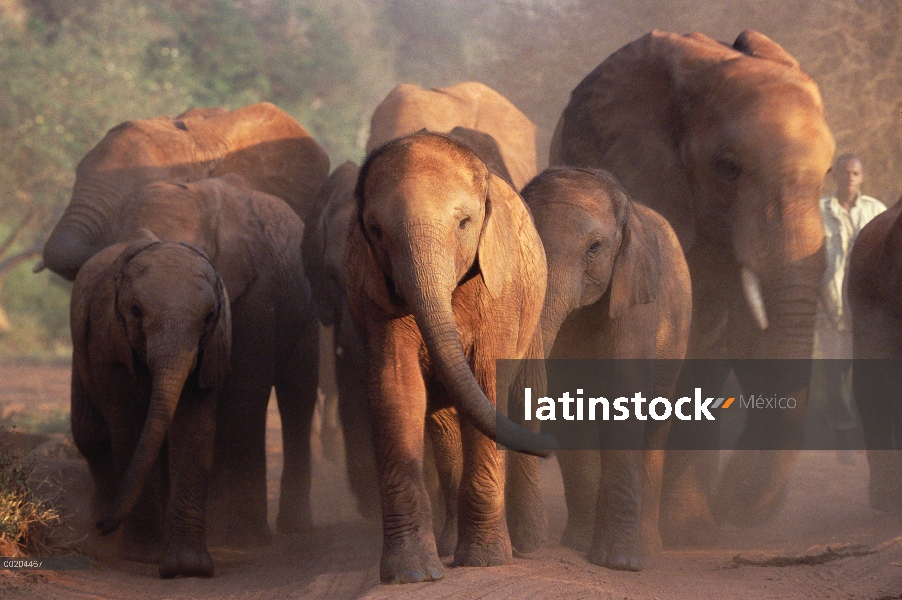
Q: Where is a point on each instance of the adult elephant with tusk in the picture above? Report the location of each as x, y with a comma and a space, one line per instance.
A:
445, 274
730, 145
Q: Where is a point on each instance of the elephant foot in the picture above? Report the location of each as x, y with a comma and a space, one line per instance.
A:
689, 532
483, 554
140, 550
754, 486
183, 560
651, 540
241, 536
293, 522
409, 562
447, 541
528, 528
577, 535
615, 553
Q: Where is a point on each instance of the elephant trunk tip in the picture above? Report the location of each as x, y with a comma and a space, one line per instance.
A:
38, 266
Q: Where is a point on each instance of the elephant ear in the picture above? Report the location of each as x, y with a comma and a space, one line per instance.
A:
506, 217
636, 277
486, 148
117, 342
364, 273
217, 346
627, 113
759, 45
332, 195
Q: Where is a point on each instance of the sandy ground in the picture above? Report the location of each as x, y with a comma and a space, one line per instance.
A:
831, 543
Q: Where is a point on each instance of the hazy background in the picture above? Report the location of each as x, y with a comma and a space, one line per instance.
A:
71, 70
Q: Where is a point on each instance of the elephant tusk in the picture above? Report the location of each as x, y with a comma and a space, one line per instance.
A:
751, 287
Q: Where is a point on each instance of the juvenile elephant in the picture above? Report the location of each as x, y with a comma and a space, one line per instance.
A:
730, 145
409, 108
254, 242
260, 142
446, 273
875, 291
150, 340
324, 248
618, 288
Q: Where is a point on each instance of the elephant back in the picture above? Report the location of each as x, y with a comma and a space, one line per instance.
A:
409, 108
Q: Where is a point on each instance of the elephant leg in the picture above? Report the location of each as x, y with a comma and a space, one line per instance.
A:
526, 520
190, 444
754, 483
398, 407
617, 537
879, 421
581, 473
482, 539
690, 470
296, 392
142, 529
330, 432
351, 367
651, 501
443, 427
237, 506
92, 438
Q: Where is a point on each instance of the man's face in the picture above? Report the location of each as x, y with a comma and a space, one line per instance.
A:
849, 176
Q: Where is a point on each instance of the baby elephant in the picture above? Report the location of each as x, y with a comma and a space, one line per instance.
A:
151, 342
618, 288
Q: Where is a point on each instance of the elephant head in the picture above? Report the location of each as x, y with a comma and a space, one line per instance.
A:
169, 318
409, 108
260, 144
599, 244
431, 217
730, 145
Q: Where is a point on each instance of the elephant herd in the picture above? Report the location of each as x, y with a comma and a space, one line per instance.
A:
679, 219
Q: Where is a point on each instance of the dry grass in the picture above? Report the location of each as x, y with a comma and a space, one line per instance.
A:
28, 524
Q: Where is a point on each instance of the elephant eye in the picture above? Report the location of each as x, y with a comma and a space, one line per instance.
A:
593, 249
727, 168
136, 312
463, 223
209, 318
374, 229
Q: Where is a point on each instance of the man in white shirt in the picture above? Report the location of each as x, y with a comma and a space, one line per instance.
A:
844, 214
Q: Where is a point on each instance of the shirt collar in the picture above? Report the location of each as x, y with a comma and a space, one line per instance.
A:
835, 206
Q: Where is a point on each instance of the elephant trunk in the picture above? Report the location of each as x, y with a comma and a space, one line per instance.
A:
82, 229
430, 302
169, 377
558, 305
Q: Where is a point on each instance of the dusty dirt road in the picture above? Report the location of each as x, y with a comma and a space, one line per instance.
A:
833, 545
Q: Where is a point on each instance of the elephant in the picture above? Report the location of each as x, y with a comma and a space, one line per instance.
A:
730, 145
472, 105
260, 142
254, 241
323, 250
151, 337
875, 288
618, 288
445, 274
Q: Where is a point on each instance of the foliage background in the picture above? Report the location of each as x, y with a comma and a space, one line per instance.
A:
72, 70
